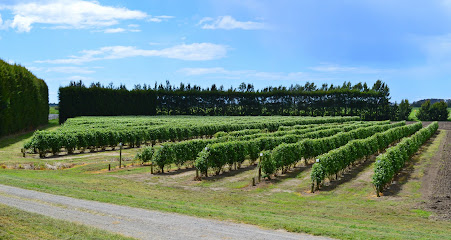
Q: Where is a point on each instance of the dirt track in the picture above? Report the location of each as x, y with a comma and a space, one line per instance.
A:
436, 185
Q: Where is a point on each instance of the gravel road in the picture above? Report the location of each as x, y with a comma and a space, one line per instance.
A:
53, 116
135, 222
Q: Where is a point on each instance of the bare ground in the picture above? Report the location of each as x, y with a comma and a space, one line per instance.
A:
436, 186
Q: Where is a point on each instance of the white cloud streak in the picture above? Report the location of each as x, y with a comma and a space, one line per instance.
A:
64, 69
229, 23
241, 73
77, 14
331, 68
119, 30
189, 52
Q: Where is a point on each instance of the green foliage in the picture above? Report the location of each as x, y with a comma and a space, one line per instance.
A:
97, 100
346, 100
163, 156
101, 132
340, 158
435, 112
236, 150
267, 164
389, 163
400, 112
146, 154
285, 155
23, 99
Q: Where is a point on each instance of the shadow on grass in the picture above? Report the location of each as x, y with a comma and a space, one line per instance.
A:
292, 173
14, 138
229, 173
352, 174
406, 172
172, 172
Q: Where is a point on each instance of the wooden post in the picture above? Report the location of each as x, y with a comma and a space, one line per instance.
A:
151, 168
120, 155
197, 173
23, 152
253, 181
109, 167
313, 187
259, 173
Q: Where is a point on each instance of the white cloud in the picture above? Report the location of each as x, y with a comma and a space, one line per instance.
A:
118, 30
241, 73
65, 69
68, 14
228, 23
159, 18
79, 70
190, 52
133, 25
332, 68
114, 30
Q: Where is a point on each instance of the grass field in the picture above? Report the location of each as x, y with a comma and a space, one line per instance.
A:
53, 110
413, 117
17, 224
348, 210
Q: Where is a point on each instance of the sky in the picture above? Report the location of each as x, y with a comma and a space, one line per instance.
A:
404, 43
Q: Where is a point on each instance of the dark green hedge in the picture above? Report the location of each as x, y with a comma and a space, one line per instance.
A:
347, 100
24, 101
96, 100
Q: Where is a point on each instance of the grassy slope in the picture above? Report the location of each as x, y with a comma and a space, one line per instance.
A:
348, 211
18, 224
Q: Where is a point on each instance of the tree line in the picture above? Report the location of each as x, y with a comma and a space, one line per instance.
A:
433, 112
371, 103
23, 99
98, 100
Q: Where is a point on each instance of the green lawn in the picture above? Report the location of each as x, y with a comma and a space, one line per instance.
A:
53, 110
18, 224
348, 210
413, 117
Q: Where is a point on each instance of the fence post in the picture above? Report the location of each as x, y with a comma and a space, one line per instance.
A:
120, 155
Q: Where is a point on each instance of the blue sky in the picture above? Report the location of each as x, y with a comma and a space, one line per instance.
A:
406, 44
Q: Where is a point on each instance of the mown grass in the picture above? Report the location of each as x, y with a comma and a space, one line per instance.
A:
54, 110
349, 211
18, 224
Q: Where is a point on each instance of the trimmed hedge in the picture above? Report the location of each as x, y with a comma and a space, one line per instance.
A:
285, 154
218, 155
24, 101
339, 159
389, 163
101, 132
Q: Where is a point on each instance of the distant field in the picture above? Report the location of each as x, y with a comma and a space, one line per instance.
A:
413, 117
54, 110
